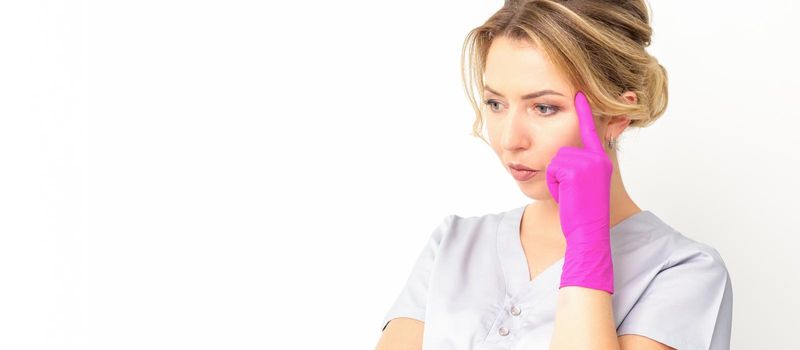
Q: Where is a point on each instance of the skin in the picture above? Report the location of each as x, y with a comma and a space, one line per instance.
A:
530, 132
520, 131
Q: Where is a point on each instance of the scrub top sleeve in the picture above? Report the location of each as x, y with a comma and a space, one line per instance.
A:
413, 298
688, 305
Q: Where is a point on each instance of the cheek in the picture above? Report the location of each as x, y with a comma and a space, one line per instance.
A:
560, 133
547, 134
567, 132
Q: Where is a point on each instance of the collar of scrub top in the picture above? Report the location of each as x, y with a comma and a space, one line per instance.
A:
514, 263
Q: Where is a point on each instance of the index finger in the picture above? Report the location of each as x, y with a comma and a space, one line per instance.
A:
586, 123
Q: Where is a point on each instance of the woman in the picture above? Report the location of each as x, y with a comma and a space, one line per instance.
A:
581, 267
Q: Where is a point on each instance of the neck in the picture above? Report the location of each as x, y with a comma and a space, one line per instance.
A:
621, 205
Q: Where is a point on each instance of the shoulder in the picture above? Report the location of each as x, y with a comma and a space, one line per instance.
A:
693, 266
456, 230
682, 274
651, 239
700, 270
467, 225
690, 251
659, 266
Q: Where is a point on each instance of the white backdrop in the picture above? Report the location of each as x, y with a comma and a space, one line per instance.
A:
262, 175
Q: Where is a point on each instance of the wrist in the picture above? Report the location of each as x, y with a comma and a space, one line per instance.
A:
589, 265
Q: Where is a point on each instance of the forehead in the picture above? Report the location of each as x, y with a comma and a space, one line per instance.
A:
516, 67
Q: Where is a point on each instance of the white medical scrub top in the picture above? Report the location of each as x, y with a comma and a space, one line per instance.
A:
471, 287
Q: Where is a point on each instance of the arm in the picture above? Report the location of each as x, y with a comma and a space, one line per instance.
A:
403, 323
585, 320
402, 333
579, 180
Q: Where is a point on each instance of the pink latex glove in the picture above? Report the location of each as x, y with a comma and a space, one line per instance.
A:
580, 180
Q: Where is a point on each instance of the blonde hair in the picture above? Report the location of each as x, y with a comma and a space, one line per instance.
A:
598, 45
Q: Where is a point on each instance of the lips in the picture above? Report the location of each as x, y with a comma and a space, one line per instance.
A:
520, 167
523, 175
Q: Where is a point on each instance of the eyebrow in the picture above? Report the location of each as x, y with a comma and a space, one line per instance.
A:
527, 96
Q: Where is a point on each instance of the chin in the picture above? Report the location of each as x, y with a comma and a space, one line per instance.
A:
535, 190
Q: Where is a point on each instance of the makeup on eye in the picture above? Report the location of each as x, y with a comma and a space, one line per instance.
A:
555, 109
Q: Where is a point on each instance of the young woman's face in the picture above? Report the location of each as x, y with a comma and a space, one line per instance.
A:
528, 131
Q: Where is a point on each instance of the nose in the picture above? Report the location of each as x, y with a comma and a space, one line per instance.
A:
515, 130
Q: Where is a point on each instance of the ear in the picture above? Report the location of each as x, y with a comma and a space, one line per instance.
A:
629, 97
617, 124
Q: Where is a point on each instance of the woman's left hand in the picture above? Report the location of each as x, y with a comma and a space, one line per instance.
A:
580, 180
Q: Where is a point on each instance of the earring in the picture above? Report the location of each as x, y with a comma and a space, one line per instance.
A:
611, 143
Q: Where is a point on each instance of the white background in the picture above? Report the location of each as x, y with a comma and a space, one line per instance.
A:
262, 175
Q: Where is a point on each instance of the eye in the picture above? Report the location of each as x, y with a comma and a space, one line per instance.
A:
553, 109
490, 103
550, 107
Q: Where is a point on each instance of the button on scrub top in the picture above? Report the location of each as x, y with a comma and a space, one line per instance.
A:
471, 287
